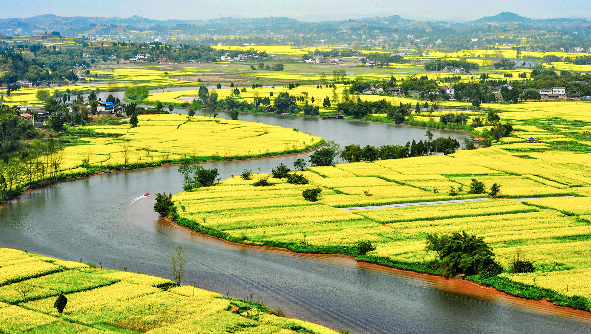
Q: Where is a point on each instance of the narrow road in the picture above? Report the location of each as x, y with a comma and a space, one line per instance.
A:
451, 201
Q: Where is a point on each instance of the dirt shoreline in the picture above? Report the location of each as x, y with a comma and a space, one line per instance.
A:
453, 284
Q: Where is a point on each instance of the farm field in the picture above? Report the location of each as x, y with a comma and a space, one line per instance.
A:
112, 301
543, 214
162, 139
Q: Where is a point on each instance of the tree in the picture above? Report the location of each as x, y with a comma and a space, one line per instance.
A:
299, 164
476, 187
325, 156
60, 303
280, 171
42, 95
133, 120
326, 102
203, 93
495, 190
195, 105
136, 93
370, 153
163, 204
195, 176
461, 253
310, 110
233, 113
284, 103
493, 117
312, 194
177, 263
352, 153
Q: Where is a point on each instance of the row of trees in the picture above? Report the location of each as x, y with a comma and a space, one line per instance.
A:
356, 153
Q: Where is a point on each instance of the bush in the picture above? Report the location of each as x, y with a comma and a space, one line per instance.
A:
262, 183
280, 172
60, 303
163, 204
196, 176
476, 187
364, 246
453, 191
299, 164
461, 253
325, 156
495, 191
296, 178
246, 174
312, 194
520, 266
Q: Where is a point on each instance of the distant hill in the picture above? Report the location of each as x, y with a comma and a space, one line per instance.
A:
504, 17
281, 30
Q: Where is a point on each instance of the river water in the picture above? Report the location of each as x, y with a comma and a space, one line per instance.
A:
97, 220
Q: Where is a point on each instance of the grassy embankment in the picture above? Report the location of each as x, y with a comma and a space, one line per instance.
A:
161, 139
115, 301
551, 232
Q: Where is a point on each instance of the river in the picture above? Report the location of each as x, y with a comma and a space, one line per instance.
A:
97, 220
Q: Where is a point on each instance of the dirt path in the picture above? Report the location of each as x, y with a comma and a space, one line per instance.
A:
452, 201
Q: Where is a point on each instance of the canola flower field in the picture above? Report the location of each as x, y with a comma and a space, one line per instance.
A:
113, 301
160, 139
544, 213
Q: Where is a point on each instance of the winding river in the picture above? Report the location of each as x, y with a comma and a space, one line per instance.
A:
97, 220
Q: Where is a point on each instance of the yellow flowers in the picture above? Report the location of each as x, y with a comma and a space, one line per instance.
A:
102, 299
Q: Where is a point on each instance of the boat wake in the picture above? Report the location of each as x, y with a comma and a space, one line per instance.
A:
146, 195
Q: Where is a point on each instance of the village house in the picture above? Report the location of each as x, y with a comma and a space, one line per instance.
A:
25, 83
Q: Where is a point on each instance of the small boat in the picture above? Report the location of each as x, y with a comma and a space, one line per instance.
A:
147, 194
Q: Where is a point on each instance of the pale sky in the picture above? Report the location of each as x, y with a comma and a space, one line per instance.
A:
304, 10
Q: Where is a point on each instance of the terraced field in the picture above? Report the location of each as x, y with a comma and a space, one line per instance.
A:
106, 300
544, 226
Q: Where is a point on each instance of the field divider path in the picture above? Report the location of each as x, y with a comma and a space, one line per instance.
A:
452, 201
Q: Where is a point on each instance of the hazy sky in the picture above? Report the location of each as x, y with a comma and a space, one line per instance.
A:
306, 10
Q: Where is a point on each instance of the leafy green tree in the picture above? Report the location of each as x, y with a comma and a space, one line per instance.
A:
136, 93
531, 94
133, 120
370, 153
476, 187
352, 153
365, 246
280, 171
195, 176
325, 156
164, 204
326, 102
284, 103
312, 195
233, 114
299, 164
60, 303
130, 109
43, 95
203, 93
296, 178
461, 253
310, 110
495, 190
246, 174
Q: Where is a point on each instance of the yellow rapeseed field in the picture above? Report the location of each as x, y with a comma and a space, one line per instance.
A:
107, 300
544, 214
